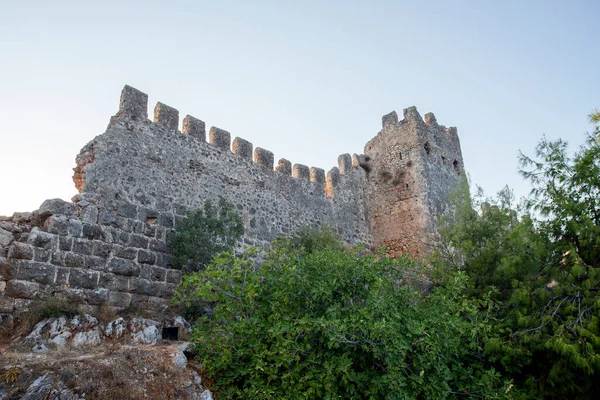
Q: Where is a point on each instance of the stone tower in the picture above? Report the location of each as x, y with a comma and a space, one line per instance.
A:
413, 166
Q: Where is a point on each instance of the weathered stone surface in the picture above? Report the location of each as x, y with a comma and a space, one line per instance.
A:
300, 171
219, 138
36, 272
120, 266
5, 238
19, 250
57, 207
194, 127
166, 116
22, 289
242, 148
284, 167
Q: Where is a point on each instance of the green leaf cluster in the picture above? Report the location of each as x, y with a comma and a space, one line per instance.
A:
543, 269
205, 233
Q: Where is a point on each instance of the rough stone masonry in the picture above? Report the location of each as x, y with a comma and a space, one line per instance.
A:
109, 246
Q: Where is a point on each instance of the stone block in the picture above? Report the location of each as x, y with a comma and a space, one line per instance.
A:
145, 287
219, 138
332, 180
114, 282
101, 249
75, 228
22, 251
127, 253
127, 210
22, 304
57, 224
138, 241
317, 175
345, 163
95, 263
62, 276
300, 171
92, 232
158, 245
73, 260
123, 267
430, 119
411, 114
6, 238
134, 104
139, 301
58, 258
83, 278
153, 273
242, 147
194, 127
173, 276
41, 255
75, 295
82, 246
7, 304
38, 238
89, 214
96, 296
119, 299
167, 290
65, 243
36, 272
166, 116
57, 207
164, 260
22, 289
8, 269
146, 257
264, 157
390, 119
284, 167
166, 220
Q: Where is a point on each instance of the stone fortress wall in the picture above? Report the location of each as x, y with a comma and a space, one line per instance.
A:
109, 246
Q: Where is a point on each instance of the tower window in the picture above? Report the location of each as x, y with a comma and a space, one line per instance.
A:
456, 167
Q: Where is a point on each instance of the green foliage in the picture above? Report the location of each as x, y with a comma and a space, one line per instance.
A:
324, 322
313, 240
204, 234
546, 333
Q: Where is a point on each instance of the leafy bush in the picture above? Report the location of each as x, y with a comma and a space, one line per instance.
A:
332, 323
545, 273
204, 234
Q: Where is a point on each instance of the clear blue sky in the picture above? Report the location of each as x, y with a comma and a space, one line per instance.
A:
307, 80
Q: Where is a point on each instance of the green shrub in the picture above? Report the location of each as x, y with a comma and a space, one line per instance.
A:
204, 234
332, 323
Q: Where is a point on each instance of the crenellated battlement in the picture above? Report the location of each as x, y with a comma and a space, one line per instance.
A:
134, 105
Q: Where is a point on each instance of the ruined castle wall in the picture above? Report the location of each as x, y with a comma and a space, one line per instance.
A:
109, 247
414, 166
155, 166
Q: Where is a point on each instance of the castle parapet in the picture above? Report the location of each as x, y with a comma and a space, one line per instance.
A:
133, 104
345, 163
430, 119
194, 127
166, 116
284, 167
242, 147
264, 157
331, 181
389, 119
317, 175
301, 171
219, 138
411, 114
